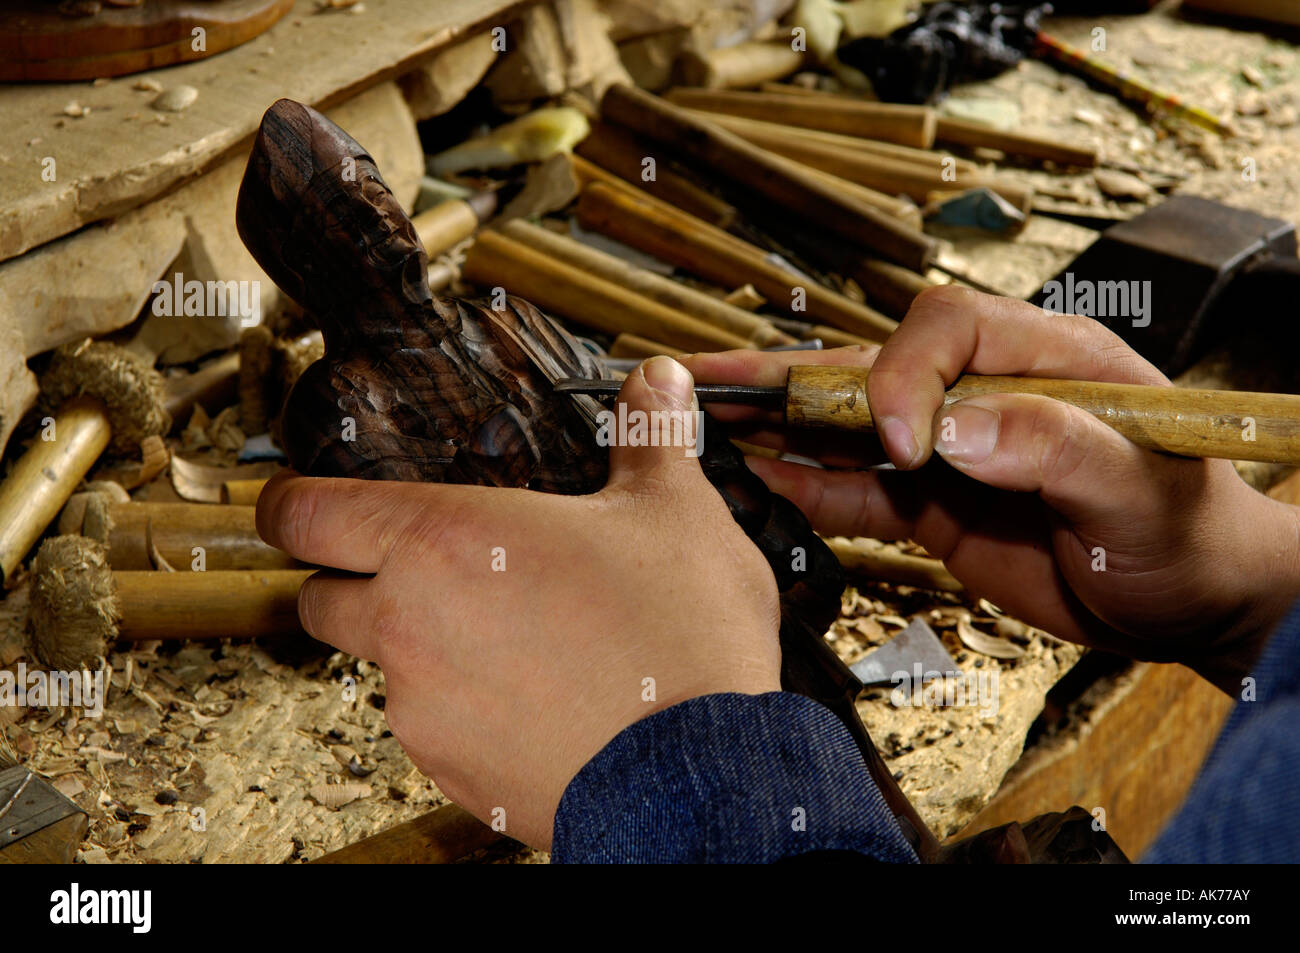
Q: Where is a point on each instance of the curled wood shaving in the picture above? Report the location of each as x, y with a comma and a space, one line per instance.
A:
336, 795
986, 644
156, 558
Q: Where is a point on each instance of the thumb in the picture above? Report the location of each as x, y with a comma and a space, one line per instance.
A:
1080, 467
656, 430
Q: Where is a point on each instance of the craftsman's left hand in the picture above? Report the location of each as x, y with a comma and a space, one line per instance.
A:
503, 684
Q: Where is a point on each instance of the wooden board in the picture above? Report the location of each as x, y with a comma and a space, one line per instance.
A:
39, 42
1135, 756
124, 152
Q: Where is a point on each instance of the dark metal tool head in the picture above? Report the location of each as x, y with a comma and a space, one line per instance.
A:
770, 398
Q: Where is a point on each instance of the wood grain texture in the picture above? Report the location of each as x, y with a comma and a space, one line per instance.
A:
595, 301
733, 159
45, 476
1231, 425
671, 294
56, 843
38, 42
442, 836
889, 122
227, 534
618, 151
208, 605
1135, 755
699, 248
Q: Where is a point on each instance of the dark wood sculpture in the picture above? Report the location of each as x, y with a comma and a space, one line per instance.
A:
448, 390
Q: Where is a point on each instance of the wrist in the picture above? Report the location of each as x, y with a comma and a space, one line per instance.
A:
1269, 581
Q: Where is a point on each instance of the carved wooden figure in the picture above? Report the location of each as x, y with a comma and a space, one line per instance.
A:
447, 390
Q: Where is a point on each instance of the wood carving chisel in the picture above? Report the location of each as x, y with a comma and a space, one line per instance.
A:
1232, 425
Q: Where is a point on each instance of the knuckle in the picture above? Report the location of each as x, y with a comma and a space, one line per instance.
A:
390, 628
939, 301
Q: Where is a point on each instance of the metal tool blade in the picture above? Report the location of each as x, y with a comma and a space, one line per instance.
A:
915, 645
771, 398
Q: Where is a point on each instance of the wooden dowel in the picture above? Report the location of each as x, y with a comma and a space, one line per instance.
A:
227, 536
770, 131
886, 174
242, 492
639, 348
669, 293
452, 221
442, 836
894, 288
889, 287
903, 210
618, 151
724, 153
978, 135
890, 122
742, 64
971, 134
875, 562
495, 260
47, 474
208, 605
745, 297
830, 337
215, 383
723, 259
1195, 423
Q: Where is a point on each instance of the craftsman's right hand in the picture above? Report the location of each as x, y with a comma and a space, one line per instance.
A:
519, 632
1037, 505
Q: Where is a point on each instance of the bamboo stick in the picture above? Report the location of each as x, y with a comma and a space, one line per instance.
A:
46, 475
890, 122
1194, 423
784, 184
671, 294
227, 535
726, 261
208, 605
496, 260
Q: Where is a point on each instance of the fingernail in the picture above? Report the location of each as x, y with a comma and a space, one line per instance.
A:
899, 441
967, 433
670, 379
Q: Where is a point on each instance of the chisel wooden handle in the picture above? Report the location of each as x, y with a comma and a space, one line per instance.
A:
1195, 423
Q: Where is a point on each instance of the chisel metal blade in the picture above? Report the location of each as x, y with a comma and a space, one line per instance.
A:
770, 398
915, 645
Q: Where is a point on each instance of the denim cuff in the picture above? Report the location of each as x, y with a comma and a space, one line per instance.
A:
727, 778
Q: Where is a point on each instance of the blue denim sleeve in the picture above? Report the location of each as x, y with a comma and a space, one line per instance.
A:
1242, 808
727, 778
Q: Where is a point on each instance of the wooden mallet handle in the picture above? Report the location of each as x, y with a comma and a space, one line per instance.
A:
1232, 425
